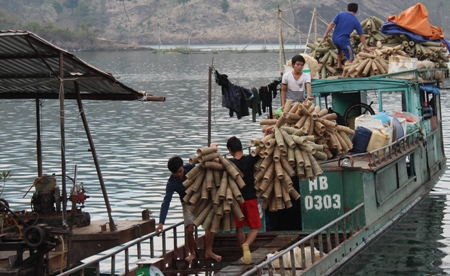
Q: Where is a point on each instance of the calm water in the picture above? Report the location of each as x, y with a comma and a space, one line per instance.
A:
135, 139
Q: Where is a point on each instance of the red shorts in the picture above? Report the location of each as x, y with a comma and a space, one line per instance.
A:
251, 212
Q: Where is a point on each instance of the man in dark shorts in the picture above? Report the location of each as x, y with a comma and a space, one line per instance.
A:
175, 184
345, 23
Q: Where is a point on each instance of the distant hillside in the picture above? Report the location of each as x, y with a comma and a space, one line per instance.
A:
190, 21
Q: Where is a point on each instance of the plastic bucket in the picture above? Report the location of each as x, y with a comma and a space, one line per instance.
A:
398, 132
361, 139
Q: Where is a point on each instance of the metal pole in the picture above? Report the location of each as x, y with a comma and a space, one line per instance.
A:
112, 226
38, 139
63, 140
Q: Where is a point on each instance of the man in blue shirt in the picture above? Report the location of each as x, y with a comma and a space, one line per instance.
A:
345, 23
175, 184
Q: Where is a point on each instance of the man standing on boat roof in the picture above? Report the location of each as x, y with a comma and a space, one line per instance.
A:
295, 82
175, 184
344, 23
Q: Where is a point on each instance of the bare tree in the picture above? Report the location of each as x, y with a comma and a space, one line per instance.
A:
123, 2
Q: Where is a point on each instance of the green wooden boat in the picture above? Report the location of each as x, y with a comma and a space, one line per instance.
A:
357, 198
360, 196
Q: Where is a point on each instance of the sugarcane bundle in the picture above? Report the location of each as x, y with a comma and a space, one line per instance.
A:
213, 190
303, 136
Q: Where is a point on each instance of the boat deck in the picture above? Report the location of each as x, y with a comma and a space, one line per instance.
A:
225, 245
85, 241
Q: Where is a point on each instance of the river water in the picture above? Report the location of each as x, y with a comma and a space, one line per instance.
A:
134, 140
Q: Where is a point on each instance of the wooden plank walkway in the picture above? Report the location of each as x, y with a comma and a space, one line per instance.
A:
259, 255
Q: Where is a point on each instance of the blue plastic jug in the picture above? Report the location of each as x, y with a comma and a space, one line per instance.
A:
361, 139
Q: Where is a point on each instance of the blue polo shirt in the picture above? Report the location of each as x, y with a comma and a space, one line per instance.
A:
173, 185
345, 22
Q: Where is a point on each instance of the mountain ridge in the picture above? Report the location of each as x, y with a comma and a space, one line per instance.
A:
183, 22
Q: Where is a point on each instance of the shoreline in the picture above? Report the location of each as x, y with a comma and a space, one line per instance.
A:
109, 45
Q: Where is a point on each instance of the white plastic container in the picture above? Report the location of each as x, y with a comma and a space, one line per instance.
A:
400, 64
367, 121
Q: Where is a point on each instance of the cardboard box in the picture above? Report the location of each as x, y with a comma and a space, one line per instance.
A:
400, 64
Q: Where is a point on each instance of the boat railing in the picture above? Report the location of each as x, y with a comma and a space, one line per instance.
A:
395, 148
348, 229
137, 245
416, 73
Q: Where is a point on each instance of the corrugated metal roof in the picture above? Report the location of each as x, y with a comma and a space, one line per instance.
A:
30, 69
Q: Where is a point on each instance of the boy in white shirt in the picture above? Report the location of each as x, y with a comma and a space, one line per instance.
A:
295, 82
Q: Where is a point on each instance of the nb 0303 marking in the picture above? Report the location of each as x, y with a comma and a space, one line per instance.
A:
320, 202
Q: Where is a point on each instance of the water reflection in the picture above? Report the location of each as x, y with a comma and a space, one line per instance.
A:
415, 246
133, 139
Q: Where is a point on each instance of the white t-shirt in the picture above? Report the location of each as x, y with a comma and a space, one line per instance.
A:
295, 88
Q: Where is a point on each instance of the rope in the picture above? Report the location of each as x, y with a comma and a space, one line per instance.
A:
62, 253
10, 219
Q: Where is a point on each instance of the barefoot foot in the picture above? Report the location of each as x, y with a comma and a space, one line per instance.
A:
215, 257
190, 258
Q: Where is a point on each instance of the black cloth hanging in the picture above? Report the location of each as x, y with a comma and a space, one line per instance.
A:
266, 98
273, 87
255, 104
234, 97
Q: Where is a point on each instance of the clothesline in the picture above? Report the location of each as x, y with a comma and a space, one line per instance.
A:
239, 99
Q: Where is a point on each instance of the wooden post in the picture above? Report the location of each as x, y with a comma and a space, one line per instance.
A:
112, 225
280, 40
210, 72
315, 24
310, 27
63, 140
38, 138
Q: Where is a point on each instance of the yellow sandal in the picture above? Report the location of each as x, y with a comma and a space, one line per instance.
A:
247, 255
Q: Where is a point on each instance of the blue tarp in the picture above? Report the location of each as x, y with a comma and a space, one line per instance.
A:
390, 28
430, 87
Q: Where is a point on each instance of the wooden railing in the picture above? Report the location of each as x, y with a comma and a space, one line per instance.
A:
348, 228
136, 244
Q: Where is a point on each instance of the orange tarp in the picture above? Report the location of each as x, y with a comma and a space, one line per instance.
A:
415, 20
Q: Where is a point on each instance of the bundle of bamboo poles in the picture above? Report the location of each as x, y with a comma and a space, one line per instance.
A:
212, 189
325, 53
384, 46
372, 32
371, 64
301, 136
431, 51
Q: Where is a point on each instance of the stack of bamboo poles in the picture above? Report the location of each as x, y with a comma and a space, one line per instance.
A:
371, 64
302, 135
372, 32
212, 189
386, 45
325, 53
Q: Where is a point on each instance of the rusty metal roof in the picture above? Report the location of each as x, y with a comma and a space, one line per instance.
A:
30, 68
